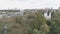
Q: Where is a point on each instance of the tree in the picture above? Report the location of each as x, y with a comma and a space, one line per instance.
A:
55, 23
39, 25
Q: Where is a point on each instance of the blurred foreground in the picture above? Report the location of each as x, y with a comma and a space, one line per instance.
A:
31, 23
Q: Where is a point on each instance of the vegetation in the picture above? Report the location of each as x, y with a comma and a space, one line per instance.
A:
31, 23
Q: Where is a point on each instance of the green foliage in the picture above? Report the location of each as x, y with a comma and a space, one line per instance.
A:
54, 23
32, 23
39, 26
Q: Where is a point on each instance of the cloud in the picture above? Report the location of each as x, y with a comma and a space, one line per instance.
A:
28, 4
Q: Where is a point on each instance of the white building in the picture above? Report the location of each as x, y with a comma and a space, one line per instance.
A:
0, 16
47, 15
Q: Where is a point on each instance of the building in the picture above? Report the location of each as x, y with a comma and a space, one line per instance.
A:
47, 13
8, 13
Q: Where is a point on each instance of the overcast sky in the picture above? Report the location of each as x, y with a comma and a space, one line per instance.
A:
29, 4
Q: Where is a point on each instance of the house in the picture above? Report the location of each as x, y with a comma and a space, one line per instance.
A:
47, 13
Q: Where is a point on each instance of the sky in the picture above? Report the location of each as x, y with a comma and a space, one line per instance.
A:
29, 4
